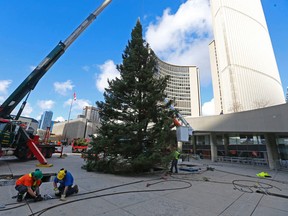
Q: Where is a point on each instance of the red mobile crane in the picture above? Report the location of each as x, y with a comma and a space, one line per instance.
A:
14, 138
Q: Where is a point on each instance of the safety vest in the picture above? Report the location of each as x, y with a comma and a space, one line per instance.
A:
28, 181
176, 155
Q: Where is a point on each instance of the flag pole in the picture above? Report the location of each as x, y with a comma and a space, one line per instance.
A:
73, 98
70, 110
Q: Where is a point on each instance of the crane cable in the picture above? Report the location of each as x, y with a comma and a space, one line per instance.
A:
242, 186
188, 185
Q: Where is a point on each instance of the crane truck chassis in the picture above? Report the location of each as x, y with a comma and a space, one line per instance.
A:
15, 139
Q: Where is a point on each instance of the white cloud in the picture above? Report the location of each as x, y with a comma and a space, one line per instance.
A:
86, 68
27, 110
4, 85
32, 67
79, 104
63, 87
1, 99
208, 108
38, 118
59, 119
45, 104
183, 38
108, 71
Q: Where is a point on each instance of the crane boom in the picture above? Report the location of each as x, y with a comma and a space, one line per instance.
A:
31, 81
177, 113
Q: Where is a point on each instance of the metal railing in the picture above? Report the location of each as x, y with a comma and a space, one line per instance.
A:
243, 160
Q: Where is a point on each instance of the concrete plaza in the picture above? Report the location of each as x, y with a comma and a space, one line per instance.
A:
222, 189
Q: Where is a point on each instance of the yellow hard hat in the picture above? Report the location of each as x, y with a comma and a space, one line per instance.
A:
61, 174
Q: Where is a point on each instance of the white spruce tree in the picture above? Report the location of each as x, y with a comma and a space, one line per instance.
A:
135, 121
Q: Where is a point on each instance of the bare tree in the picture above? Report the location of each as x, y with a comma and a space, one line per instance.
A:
261, 103
236, 107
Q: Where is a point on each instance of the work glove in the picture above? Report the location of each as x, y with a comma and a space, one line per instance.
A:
63, 197
38, 198
56, 191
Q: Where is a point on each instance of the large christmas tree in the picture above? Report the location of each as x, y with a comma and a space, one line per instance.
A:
135, 121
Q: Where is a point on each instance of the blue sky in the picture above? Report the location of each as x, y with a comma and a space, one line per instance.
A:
30, 29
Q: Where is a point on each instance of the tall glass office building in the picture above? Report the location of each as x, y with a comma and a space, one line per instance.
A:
244, 70
183, 87
46, 119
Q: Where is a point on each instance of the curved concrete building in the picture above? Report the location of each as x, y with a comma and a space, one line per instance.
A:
183, 87
244, 69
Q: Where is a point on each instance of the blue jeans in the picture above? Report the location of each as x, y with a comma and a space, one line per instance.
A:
174, 164
70, 190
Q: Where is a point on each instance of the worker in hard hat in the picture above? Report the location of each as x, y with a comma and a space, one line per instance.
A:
65, 188
29, 184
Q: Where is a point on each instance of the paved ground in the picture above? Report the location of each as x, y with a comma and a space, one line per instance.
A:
229, 189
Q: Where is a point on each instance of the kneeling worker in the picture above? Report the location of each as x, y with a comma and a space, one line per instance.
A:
29, 184
65, 188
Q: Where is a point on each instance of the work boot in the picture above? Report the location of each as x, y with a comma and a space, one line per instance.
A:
27, 196
38, 198
19, 197
75, 187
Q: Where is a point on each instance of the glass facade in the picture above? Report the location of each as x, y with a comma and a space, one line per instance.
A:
282, 142
241, 148
46, 119
183, 87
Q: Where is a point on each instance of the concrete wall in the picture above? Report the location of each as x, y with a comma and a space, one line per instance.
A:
76, 128
270, 119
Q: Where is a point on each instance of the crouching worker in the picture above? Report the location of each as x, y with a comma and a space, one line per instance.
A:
65, 188
29, 184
